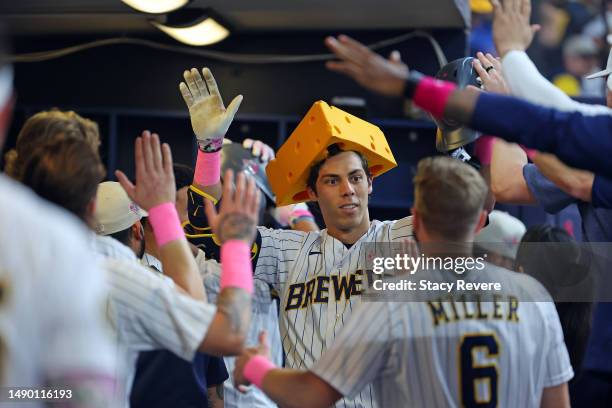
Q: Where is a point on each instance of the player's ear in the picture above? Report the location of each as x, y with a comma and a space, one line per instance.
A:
91, 210
311, 194
138, 231
482, 220
370, 187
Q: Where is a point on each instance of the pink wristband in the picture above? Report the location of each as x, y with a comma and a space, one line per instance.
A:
166, 224
208, 168
483, 149
256, 369
237, 271
432, 95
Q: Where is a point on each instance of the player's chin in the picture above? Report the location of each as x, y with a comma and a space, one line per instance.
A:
349, 220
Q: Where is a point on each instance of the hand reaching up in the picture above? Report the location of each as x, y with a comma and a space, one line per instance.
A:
154, 175
239, 211
209, 117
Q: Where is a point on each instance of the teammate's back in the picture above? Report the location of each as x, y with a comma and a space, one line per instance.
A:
52, 320
451, 352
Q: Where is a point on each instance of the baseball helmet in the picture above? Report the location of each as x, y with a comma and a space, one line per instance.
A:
237, 158
450, 134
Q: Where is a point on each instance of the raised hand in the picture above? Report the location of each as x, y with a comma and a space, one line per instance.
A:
259, 149
154, 174
370, 70
489, 70
511, 27
209, 118
239, 212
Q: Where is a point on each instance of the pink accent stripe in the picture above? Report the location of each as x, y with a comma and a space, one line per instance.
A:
483, 149
256, 369
166, 224
432, 95
301, 213
208, 168
237, 271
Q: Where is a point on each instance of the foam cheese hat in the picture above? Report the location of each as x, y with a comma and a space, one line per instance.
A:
323, 126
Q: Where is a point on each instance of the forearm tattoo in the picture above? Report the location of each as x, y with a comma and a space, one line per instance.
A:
236, 226
235, 304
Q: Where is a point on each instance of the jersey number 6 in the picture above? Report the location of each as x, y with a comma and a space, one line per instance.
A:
478, 372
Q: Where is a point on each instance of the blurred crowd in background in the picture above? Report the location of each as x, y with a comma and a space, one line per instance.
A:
573, 41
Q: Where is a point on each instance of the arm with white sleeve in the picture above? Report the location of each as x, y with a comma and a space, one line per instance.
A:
525, 81
183, 324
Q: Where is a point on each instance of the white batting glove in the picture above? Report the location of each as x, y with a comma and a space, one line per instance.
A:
209, 118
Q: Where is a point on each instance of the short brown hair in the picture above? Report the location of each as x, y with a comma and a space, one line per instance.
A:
333, 150
47, 127
67, 173
449, 196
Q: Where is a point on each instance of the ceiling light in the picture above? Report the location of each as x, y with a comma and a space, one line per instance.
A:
156, 6
203, 30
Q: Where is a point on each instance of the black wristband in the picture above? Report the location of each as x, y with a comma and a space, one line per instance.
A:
210, 147
414, 77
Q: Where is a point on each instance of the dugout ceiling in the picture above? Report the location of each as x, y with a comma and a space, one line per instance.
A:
34, 17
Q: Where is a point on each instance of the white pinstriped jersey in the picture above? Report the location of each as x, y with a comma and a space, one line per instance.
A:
264, 316
109, 247
499, 354
319, 281
148, 312
52, 296
152, 262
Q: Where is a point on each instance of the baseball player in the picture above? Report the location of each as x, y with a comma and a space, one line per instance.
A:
48, 283
508, 352
318, 275
147, 310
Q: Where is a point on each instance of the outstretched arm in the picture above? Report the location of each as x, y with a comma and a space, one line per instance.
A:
526, 82
509, 159
582, 142
513, 34
575, 182
288, 388
234, 226
210, 121
155, 192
